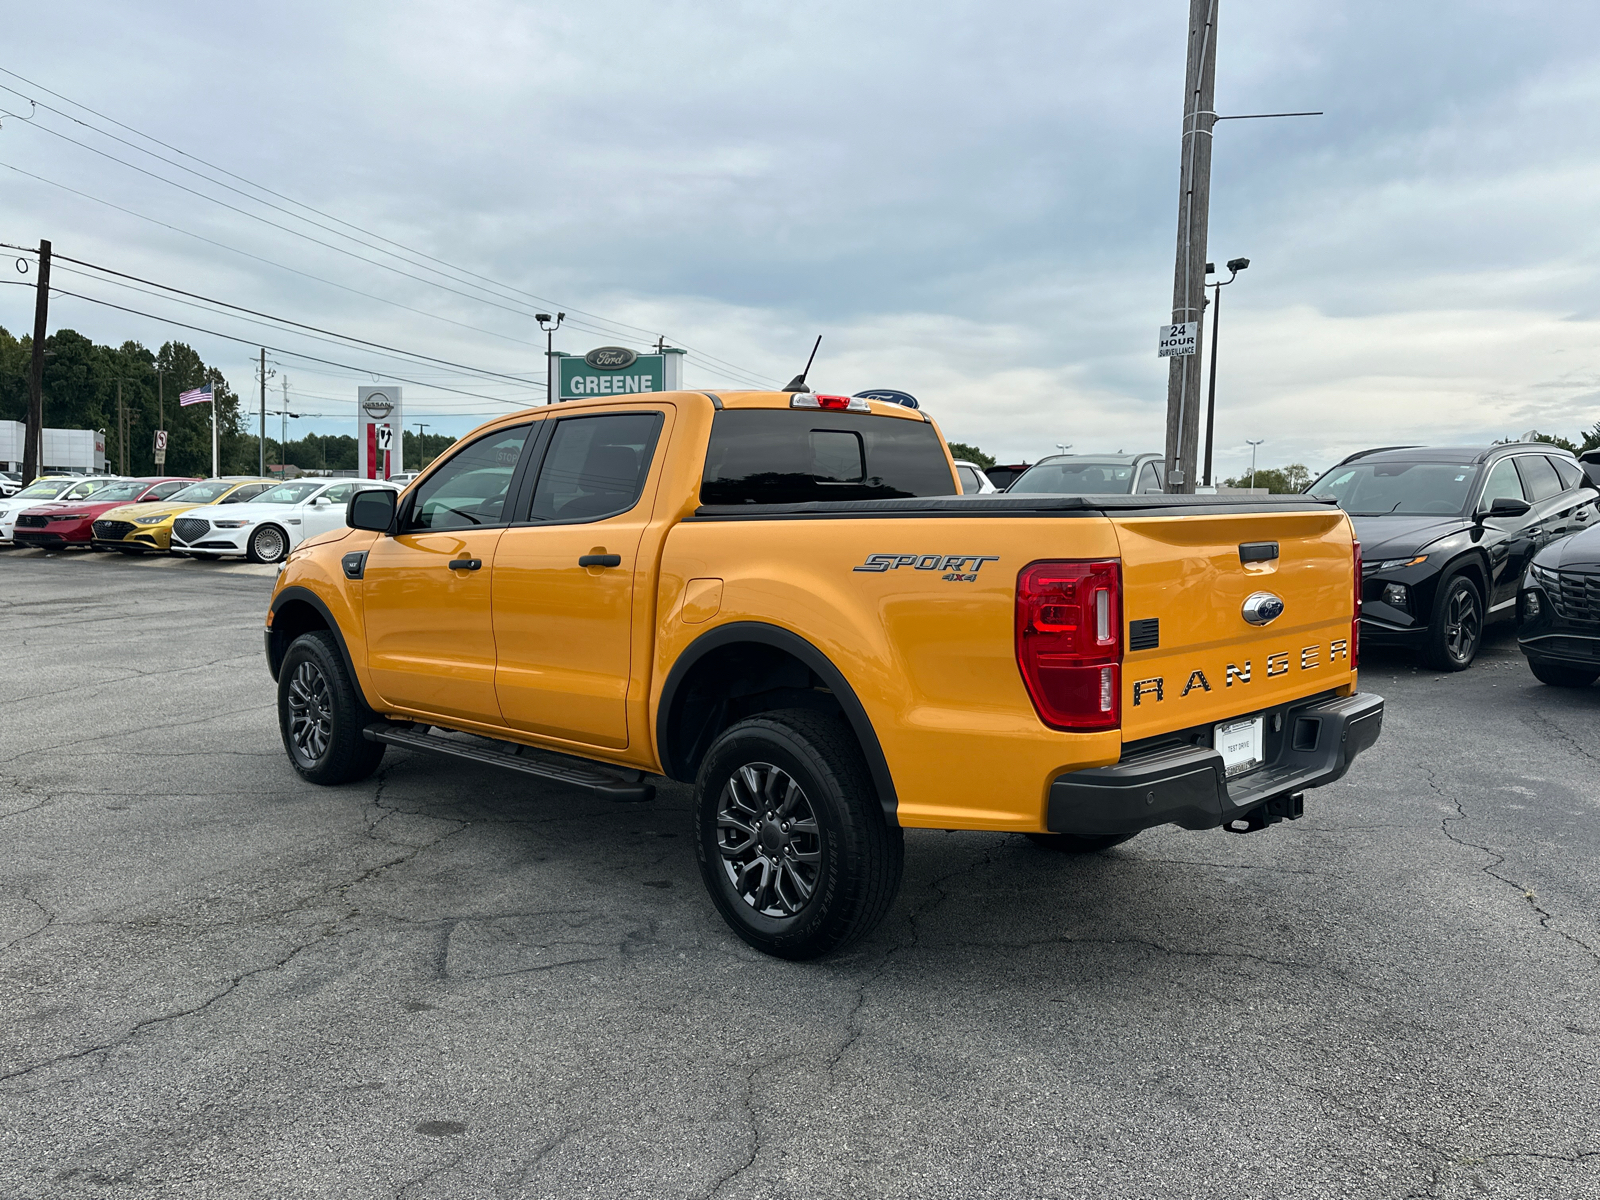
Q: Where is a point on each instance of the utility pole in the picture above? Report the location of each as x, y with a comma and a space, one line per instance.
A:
261, 440
122, 436
1189, 272
33, 439
422, 452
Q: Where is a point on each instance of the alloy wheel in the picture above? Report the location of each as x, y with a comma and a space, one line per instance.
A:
1463, 623
269, 544
310, 712
768, 837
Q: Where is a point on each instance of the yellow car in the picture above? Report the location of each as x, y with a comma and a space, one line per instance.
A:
138, 528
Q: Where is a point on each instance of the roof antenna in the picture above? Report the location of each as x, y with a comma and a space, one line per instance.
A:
798, 383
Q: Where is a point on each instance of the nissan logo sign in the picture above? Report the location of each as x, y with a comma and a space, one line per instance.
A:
377, 406
611, 358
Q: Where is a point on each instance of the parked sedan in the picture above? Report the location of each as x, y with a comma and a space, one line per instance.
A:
1092, 475
140, 528
1447, 533
270, 525
42, 491
67, 523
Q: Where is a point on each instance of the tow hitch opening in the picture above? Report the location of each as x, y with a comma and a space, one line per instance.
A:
1280, 808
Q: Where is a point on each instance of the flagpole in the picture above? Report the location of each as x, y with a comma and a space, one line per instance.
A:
216, 468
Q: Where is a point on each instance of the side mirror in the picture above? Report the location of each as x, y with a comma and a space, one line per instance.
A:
372, 509
320, 502
1506, 506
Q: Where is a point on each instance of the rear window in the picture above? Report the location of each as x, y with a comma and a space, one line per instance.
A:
787, 456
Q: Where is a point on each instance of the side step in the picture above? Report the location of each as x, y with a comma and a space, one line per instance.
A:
617, 783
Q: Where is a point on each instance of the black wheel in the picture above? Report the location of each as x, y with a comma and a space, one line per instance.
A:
793, 844
1456, 630
268, 545
1072, 843
1559, 676
321, 715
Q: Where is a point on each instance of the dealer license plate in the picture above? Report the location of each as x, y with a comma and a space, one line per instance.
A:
1240, 744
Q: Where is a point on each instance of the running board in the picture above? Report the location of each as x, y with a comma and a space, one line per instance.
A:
621, 784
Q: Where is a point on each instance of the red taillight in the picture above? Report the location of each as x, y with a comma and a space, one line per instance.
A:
1069, 642
839, 402
1355, 617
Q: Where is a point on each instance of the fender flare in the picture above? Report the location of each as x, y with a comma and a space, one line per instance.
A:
307, 596
814, 659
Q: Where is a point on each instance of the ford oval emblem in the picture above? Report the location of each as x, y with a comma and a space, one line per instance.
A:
610, 358
1263, 608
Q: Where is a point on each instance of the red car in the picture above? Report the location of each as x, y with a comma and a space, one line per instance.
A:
56, 526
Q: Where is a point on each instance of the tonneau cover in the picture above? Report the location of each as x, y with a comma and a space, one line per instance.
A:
1032, 504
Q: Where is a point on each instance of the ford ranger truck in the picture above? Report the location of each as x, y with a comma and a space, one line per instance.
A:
783, 600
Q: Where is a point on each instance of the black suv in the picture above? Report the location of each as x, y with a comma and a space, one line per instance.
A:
1446, 534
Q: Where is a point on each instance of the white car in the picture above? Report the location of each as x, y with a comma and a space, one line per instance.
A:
266, 528
43, 491
973, 481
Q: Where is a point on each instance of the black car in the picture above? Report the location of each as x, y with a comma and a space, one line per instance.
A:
1558, 612
1446, 534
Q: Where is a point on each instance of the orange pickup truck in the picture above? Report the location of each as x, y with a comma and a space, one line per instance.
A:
784, 600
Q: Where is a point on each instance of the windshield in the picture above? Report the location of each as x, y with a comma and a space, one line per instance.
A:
35, 491
288, 493
202, 493
1376, 489
131, 490
1076, 478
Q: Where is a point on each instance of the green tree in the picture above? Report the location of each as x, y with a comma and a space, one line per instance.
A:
1288, 480
1551, 439
971, 454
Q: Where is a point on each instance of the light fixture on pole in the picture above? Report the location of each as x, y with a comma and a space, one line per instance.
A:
1235, 265
1063, 447
1253, 446
551, 385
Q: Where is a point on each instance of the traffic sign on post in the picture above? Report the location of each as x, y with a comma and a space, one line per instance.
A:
161, 447
385, 437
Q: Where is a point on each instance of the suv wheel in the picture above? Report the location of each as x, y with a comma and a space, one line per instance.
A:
267, 545
792, 840
1559, 676
321, 715
1456, 631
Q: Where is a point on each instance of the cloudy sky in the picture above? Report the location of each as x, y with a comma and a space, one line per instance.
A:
974, 202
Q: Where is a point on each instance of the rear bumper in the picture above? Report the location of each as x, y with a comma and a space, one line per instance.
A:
1186, 785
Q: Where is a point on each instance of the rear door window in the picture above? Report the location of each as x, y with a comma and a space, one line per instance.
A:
1571, 476
595, 466
788, 456
1539, 478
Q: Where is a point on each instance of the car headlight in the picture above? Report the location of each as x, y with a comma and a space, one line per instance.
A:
1394, 564
1543, 574
66, 516
229, 524
155, 520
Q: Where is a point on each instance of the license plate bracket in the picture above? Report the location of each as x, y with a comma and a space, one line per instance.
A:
1242, 744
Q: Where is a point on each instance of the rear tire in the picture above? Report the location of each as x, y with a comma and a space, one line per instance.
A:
1559, 676
269, 544
321, 715
1456, 631
1075, 843
793, 843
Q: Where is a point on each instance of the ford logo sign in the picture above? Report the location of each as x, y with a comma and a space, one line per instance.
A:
1263, 608
891, 395
611, 358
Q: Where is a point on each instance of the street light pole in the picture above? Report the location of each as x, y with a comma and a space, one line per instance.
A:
551, 384
1253, 446
1235, 265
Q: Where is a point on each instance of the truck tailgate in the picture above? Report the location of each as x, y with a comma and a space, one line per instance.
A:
1192, 657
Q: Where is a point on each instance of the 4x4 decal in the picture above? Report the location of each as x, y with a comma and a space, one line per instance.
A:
954, 566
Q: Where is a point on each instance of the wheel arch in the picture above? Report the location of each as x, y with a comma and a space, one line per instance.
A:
297, 610
764, 666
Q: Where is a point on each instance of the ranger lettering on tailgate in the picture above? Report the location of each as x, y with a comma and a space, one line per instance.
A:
1278, 663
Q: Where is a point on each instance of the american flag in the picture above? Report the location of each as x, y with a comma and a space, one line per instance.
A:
199, 395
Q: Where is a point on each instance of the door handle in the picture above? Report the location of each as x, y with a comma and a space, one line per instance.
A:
600, 560
1536, 531
465, 564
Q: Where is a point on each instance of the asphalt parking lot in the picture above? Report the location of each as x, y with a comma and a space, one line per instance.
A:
444, 982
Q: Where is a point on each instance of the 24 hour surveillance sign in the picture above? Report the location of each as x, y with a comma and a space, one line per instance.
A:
1177, 341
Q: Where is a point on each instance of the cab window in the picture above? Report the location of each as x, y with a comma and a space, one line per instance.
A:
595, 467
1503, 484
1539, 478
469, 491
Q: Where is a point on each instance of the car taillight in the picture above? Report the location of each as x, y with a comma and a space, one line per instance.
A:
1355, 617
1069, 642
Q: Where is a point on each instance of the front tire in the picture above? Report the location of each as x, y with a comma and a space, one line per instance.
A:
792, 840
1456, 631
1559, 676
269, 544
321, 715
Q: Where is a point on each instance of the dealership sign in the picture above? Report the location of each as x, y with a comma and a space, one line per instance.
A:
617, 371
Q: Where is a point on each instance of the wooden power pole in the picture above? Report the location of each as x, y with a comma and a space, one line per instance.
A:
33, 437
1184, 394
